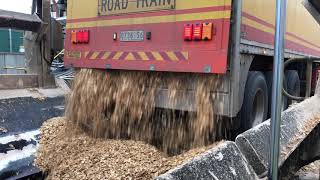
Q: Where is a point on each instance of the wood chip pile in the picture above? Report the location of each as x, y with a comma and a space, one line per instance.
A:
65, 155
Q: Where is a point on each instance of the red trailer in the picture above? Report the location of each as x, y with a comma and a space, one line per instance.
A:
232, 38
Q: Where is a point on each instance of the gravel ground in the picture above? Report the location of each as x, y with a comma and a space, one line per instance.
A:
65, 155
19, 115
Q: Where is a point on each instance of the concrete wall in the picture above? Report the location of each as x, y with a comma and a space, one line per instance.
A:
12, 63
16, 81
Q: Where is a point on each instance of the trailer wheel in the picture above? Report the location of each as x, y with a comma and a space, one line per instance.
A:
255, 105
293, 82
269, 79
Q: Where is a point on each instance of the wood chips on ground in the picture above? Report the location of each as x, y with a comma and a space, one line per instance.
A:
64, 155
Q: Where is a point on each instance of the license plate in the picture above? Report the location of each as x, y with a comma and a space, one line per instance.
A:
134, 36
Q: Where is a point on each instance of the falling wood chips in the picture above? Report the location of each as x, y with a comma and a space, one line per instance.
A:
65, 155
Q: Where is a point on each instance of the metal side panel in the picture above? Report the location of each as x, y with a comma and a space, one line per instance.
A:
258, 29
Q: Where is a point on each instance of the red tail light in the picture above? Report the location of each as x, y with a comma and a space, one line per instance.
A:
85, 36
80, 37
197, 31
188, 32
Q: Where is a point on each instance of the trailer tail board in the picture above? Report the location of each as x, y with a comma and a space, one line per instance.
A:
156, 35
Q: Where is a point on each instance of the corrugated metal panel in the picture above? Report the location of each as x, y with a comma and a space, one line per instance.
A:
12, 63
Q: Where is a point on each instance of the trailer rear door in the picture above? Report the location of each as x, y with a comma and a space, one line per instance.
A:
150, 35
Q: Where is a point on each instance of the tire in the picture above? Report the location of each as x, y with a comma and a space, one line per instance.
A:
255, 104
293, 82
269, 79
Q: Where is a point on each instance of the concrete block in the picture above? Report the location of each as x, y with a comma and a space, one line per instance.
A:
222, 162
297, 123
